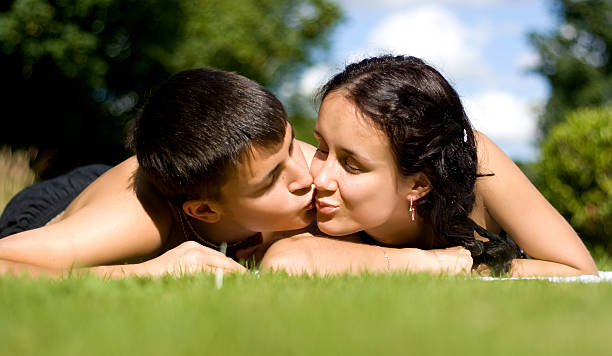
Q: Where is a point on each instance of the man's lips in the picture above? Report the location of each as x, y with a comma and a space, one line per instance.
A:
325, 207
311, 203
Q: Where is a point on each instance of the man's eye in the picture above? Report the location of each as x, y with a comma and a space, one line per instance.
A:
272, 180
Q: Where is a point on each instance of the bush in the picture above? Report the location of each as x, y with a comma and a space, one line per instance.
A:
575, 173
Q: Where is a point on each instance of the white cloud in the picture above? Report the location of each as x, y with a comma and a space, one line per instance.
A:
528, 60
436, 35
314, 77
506, 119
394, 4
460, 49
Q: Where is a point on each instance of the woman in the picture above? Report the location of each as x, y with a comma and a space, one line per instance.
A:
399, 162
216, 162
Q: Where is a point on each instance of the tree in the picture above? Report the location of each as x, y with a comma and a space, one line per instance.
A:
74, 70
575, 59
577, 177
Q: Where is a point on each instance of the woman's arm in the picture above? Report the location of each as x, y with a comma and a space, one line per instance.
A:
518, 208
309, 254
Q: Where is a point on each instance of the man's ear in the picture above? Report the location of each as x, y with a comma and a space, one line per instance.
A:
205, 210
419, 186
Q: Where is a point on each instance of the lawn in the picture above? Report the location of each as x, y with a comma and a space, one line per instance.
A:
276, 314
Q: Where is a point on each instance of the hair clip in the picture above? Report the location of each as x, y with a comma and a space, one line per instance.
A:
464, 135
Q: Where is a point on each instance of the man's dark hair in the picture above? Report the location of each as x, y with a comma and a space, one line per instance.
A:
196, 128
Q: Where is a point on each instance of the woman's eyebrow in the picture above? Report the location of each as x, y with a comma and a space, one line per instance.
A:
292, 139
344, 150
348, 152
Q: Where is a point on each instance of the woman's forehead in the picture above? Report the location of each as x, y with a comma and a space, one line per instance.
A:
340, 121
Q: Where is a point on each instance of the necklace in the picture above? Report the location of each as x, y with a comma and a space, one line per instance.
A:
185, 221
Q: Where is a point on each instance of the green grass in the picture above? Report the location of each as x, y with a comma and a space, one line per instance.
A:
276, 314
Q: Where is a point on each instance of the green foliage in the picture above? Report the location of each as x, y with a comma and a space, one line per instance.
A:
576, 58
74, 70
575, 173
265, 40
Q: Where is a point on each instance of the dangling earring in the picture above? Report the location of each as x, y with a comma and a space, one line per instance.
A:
411, 210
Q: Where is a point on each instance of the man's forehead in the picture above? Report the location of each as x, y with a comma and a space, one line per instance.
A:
259, 160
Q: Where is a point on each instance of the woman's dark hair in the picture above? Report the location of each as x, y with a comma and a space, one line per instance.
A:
198, 126
429, 132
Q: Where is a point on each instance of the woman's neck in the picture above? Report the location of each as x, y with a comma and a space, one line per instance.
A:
401, 230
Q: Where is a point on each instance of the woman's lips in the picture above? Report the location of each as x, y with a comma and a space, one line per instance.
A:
325, 207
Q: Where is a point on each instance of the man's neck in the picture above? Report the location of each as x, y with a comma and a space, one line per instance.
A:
222, 231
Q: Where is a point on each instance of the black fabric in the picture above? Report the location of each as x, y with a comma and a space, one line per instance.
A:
479, 230
37, 204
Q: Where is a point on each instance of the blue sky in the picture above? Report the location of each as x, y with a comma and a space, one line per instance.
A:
481, 46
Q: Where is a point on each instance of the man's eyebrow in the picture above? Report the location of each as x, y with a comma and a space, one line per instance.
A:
279, 166
272, 173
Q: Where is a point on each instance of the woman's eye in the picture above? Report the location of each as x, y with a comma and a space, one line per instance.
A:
321, 151
350, 167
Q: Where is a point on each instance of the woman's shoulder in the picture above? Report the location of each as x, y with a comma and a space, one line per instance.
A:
486, 150
493, 166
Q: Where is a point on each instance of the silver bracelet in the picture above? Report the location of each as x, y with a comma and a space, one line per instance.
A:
388, 259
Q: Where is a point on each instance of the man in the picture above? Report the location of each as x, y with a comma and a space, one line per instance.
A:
216, 162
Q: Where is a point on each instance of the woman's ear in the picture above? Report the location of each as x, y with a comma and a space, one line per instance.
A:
418, 187
204, 210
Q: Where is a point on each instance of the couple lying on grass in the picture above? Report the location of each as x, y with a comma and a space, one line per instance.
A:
399, 182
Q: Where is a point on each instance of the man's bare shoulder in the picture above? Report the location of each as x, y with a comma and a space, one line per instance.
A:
115, 193
308, 150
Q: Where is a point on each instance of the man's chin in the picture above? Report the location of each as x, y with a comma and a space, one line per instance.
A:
306, 219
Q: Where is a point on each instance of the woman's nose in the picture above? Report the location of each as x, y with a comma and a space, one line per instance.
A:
323, 177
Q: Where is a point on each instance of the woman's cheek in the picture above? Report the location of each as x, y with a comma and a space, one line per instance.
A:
368, 201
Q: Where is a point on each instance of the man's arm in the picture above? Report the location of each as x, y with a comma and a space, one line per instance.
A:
106, 224
187, 258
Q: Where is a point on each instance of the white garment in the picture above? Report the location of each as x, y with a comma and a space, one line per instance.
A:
604, 276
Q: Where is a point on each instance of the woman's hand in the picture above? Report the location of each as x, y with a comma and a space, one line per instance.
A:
188, 258
305, 253
451, 260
